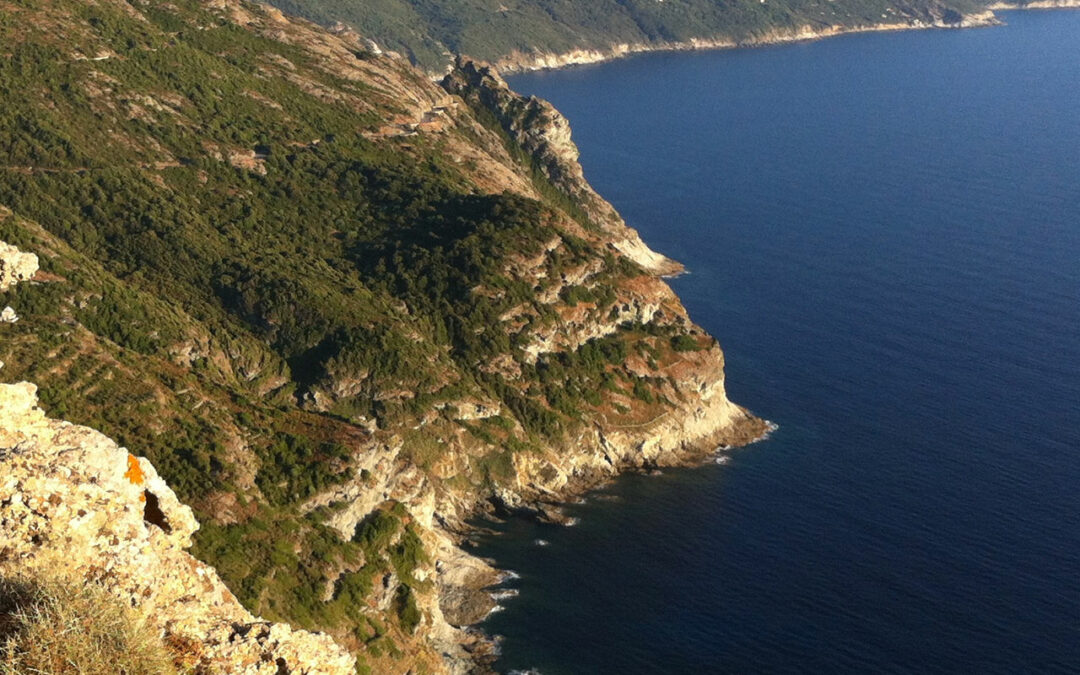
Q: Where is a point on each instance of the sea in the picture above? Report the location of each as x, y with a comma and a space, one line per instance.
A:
883, 231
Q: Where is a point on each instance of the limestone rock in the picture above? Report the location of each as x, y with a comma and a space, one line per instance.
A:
73, 502
15, 266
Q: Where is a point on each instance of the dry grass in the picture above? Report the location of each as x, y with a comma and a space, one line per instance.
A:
60, 628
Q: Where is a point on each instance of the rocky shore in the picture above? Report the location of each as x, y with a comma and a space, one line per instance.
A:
1036, 4
380, 543
527, 61
73, 502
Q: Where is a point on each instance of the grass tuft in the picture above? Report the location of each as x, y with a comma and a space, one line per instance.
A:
62, 628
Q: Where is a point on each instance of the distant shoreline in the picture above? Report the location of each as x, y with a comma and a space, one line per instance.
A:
519, 62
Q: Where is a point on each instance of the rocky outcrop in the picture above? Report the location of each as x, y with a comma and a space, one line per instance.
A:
72, 502
15, 266
703, 420
544, 134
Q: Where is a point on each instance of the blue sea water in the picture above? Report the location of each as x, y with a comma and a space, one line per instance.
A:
884, 233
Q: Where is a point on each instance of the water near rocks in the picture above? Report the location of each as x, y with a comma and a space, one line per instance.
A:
884, 233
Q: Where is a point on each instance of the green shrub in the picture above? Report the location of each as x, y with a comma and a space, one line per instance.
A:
685, 343
407, 610
642, 392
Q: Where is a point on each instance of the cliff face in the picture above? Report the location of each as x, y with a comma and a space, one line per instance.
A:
338, 307
937, 17
539, 129
531, 34
73, 503
704, 417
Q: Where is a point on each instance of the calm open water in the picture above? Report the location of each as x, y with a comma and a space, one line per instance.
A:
884, 233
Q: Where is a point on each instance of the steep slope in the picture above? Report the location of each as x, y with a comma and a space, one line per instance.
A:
75, 504
544, 33
338, 306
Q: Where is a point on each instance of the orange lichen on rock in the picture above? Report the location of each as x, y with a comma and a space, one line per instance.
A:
134, 472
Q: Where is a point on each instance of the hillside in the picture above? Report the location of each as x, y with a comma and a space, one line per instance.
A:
529, 33
339, 307
78, 509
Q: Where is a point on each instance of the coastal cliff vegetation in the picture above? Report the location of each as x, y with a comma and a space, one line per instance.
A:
527, 33
338, 306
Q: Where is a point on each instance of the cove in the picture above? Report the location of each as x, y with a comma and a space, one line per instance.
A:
883, 231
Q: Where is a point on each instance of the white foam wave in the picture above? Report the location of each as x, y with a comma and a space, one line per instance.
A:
504, 594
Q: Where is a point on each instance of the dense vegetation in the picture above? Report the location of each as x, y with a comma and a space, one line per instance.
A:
428, 30
255, 274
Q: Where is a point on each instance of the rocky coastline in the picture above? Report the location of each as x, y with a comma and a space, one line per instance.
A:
519, 62
471, 587
1035, 4
72, 499
680, 416
131, 523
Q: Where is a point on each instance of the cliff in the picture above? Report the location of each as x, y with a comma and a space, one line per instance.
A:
538, 59
74, 504
544, 134
528, 34
339, 307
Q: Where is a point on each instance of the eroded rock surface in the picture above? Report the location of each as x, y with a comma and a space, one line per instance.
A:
15, 266
73, 502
